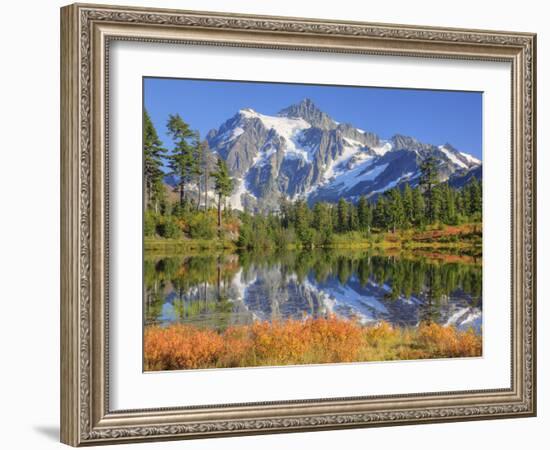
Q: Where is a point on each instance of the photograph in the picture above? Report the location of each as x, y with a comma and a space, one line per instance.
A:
285, 221
295, 224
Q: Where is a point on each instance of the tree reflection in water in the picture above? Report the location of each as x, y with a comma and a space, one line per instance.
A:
218, 290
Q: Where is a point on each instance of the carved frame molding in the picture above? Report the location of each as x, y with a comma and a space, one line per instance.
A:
86, 32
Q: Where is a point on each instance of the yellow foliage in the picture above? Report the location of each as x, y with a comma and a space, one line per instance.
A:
312, 341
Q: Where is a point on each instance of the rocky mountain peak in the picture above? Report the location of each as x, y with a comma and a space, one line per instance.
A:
246, 112
303, 153
308, 111
401, 141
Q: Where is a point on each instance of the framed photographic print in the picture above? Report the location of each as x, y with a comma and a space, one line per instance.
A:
277, 224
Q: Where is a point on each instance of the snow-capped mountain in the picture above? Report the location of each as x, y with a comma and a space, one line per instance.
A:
304, 153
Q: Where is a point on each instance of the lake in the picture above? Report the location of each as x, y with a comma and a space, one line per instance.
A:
219, 290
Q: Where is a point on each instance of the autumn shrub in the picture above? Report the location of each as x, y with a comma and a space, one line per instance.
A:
335, 340
238, 348
379, 332
448, 342
311, 341
181, 347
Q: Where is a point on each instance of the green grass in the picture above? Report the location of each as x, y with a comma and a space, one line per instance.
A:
180, 245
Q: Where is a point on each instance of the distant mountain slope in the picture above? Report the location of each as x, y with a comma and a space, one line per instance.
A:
461, 179
304, 153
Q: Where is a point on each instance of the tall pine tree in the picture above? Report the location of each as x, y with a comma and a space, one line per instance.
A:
364, 213
408, 204
353, 218
223, 185
322, 221
197, 170
396, 211
153, 154
428, 180
342, 216
475, 194
301, 218
207, 164
380, 213
419, 207
181, 160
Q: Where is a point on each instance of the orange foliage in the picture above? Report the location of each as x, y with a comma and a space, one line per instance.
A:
180, 346
448, 230
379, 332
312, 341
448, 342
231, 226
318, 340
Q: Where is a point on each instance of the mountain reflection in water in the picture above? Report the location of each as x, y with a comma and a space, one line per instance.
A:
216, 291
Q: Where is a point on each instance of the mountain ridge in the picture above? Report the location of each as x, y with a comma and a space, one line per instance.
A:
302, 152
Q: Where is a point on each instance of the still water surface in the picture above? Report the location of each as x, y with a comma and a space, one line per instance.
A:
219, 290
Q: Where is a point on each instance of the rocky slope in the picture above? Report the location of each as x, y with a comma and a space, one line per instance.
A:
304, 153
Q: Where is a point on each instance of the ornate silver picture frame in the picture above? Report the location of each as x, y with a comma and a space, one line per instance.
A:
87, 32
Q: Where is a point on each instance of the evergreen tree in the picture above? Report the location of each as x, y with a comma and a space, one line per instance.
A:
353, 218
475, 197
465, 196
197, 168
436, 204
153, 153
286, 212
207, 167
334, 217
322, 220
223, 186
181, 160
419, 207
428, 179
396, 211
379, 214
301, 219
342, 216
364, 213
449, 205
408, 204
459, 204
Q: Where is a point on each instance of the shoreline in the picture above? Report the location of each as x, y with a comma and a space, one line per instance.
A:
431, 250
465, 237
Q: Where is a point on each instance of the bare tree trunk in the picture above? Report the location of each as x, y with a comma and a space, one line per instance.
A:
219, 278
199, 200
206, 188
219, 214
145, 196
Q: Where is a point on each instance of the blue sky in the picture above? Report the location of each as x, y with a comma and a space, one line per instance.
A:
435, 117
